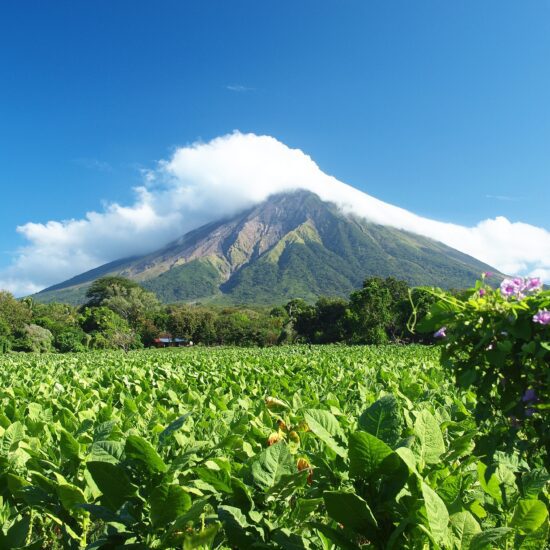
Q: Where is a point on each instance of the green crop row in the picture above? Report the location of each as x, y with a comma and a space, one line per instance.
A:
291, 447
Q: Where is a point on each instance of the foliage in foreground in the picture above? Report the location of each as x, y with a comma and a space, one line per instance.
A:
497, 342
296, 448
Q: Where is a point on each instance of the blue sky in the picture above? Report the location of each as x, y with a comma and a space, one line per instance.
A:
438, 107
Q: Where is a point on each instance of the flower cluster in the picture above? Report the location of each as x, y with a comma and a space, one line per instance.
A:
542, 317
519, 287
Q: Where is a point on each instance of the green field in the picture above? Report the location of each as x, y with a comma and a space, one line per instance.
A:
289, 447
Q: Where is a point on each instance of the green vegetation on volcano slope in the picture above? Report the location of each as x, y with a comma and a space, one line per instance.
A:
371, 447
292, 245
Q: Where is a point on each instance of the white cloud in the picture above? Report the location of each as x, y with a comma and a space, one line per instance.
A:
505, 198
205, 181
94, 164
238, 88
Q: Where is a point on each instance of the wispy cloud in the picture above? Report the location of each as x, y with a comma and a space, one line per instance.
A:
203, 182
238, 88
94, 164
505, 198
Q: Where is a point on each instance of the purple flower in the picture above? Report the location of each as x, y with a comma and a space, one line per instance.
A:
529, 396
510, 287
518, 286
441, 333
542, 317
533, 283
482, 292
487, 274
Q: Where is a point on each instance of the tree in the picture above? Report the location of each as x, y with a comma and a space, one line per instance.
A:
62, 321
35, 338
323, 323
301, 322
70, 339
183, 321
128, 300
15, 314
233, 326
379, 311
108, 330
107, 287
132, 304
206, 327
5, 336
330, 320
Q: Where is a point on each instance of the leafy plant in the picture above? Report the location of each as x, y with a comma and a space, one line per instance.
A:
292, 447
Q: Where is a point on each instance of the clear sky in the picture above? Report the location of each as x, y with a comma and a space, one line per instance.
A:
439, 107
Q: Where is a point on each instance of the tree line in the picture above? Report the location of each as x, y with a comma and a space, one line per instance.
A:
120, 314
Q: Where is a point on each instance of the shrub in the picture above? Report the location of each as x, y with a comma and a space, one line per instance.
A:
497, 340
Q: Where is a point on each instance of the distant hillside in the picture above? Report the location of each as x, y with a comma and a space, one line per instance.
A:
293, 245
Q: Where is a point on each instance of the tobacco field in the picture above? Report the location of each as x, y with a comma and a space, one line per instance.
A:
292, 447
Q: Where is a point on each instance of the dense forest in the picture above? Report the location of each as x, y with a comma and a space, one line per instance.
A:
120, 314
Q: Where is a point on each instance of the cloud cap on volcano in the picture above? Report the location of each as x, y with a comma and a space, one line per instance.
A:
204, 182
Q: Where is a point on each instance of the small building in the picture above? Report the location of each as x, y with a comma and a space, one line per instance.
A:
169, 342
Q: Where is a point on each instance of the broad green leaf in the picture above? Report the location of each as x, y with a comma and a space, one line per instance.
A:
272, 464
70, 448
366, 455
437, 514
241, 495
529, 515
477, 509
287, 540
429, 444
289, 485
408, 457
103, 431
141, 450
167, 503
219, 479
45, 483
190, 517
449, 489
17, 533
383, 420
13, 434
172, 427
113, 482
16, 483
305, 507
239, 532
533, 482
325, 425
34, 496
70, 496
537, 539
336, 536
490, 482
35, 411
464, 527
489, 539
350, 510
106, 451
461, 446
